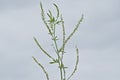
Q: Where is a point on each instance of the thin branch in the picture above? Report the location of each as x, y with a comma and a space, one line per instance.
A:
63, 30
43, 18
76, 65
75, 29
42, 49
47, 76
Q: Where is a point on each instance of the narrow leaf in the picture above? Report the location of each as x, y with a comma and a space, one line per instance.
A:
57, 10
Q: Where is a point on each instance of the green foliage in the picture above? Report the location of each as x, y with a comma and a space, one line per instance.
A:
51, 24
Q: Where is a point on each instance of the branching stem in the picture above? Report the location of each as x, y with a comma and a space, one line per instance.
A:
51, 23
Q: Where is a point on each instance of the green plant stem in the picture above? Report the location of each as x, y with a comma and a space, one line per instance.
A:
53, 36
42, 49
43, 18
51, 24
75, 29
63, 30
59, 58
59, 61
75, 68
47, 76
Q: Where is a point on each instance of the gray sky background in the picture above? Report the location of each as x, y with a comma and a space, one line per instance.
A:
98, 39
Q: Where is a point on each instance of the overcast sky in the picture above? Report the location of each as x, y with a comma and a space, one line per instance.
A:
98, 39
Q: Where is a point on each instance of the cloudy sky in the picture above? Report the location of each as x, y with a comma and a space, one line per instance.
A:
98, 39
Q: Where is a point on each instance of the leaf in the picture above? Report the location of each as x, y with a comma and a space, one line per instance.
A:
54, 61
55, 38
53, 19
56, 9
50, 13
58, 22
49, 16
62, 66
